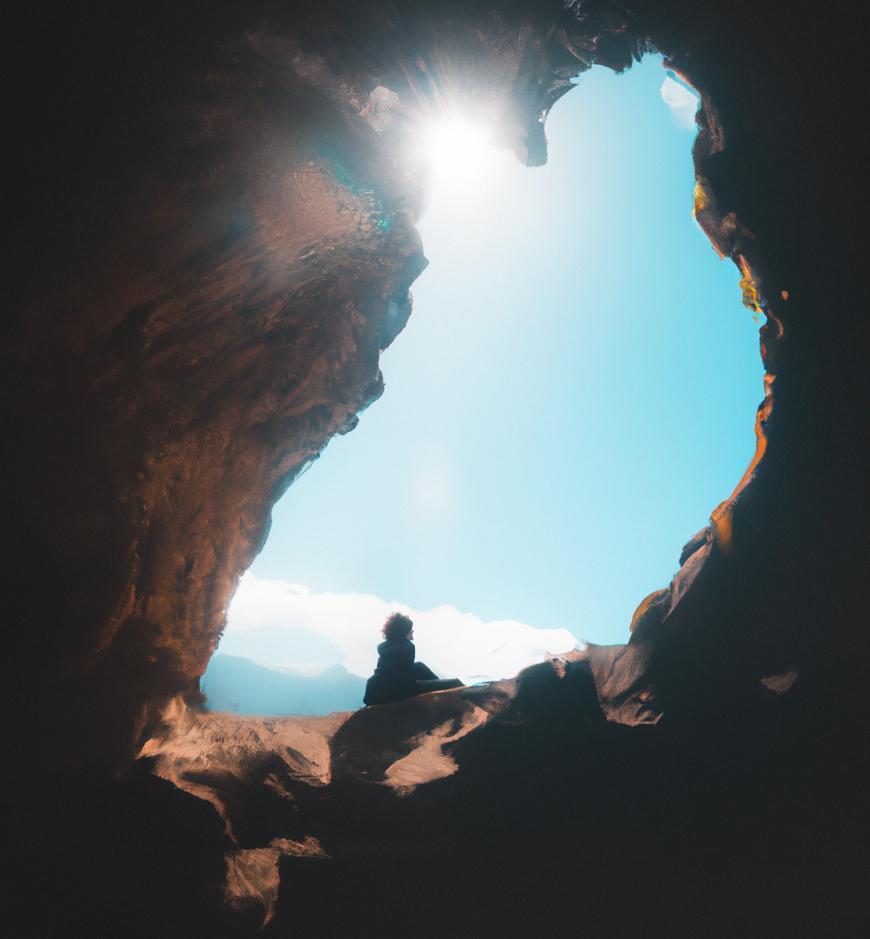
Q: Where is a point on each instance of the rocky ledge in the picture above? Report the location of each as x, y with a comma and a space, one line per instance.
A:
404, 788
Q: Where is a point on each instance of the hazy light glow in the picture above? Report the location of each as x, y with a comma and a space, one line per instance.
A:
462, 156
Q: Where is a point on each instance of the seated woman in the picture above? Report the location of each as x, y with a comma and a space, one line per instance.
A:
397, 675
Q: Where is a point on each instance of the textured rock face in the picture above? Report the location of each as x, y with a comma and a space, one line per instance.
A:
271, 779
203, 372
214, 224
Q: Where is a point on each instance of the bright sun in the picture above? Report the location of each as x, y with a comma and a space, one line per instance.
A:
462, 155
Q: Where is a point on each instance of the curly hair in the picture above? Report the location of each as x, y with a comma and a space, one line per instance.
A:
397, 626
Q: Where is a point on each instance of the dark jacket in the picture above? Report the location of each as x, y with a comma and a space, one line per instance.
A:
395, 678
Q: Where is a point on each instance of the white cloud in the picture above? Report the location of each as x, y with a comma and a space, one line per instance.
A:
682, 102
451, 642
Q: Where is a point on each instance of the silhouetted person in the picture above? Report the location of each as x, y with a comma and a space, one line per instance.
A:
397, 675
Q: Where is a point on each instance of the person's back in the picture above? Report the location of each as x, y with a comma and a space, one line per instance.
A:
397, 676
394, 678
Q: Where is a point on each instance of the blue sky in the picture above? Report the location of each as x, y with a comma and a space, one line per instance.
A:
573, 394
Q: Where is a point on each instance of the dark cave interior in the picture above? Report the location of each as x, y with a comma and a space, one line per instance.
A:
198, 302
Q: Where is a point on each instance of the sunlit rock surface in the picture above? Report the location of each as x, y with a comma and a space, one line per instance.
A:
272, 780
211, 237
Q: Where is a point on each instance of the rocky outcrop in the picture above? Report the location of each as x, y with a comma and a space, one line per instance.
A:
213, 226
468, 800
273, 780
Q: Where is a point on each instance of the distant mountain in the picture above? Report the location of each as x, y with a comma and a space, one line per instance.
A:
233, 683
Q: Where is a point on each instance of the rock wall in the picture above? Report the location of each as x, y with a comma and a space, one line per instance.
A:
213, 238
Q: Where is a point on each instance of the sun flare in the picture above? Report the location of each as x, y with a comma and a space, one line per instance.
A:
462, 155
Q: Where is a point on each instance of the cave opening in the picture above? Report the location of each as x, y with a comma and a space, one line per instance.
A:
573, 394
